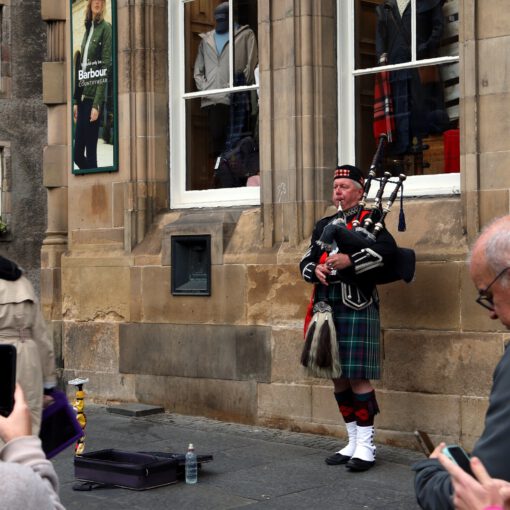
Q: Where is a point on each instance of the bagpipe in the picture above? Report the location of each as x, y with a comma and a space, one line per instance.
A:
369, 223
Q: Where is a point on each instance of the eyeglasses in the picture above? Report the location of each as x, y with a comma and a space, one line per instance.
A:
484, 298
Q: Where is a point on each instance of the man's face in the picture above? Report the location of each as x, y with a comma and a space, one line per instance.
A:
347, 192
482, 277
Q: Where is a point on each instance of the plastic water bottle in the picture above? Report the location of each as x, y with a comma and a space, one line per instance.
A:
190, 466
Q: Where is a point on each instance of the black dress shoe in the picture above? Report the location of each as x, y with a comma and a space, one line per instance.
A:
336, 459
355, 464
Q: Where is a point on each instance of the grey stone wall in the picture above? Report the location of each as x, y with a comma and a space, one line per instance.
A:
23, 127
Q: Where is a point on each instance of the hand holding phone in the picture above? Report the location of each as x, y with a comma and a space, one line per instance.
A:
7, 378
19, 421
457, 454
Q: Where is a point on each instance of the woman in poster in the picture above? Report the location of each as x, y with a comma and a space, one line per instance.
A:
91, 83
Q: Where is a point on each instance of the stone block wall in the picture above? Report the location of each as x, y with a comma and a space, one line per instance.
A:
235, 354
22, 134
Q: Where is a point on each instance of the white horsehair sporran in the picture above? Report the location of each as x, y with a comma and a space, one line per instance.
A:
320, 354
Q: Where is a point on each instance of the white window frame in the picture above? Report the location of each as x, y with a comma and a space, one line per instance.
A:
415, 185
179, 196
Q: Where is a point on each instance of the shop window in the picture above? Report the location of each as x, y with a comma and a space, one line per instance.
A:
399, 76
214, 103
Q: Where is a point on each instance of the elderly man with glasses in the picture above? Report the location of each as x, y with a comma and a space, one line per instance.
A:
489, 266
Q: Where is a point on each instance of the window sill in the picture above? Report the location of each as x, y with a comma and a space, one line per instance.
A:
227, 197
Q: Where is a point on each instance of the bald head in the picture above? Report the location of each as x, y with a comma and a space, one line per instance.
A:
488, 268
493, 245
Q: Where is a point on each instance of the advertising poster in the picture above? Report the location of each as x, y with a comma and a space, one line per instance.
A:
94, 86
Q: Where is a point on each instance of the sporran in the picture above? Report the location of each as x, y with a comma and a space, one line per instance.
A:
320, 354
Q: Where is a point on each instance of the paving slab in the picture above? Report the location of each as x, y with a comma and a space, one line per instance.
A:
135, 409
253, 467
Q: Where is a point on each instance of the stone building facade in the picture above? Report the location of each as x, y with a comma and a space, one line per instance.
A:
22, 134
233, 355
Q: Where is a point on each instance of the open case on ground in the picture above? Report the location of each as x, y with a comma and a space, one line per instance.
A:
130, 470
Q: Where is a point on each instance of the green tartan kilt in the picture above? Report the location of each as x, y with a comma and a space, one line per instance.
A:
358, 334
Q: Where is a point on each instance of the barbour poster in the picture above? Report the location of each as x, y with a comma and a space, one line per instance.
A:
94, 111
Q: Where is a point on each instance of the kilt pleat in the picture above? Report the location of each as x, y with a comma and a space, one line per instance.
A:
358, 336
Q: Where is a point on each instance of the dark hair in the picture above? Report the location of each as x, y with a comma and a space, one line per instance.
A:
9, 270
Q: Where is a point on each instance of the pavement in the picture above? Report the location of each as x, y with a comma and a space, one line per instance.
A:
253, 468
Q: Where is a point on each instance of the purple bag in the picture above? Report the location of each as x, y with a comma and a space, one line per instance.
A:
59, 427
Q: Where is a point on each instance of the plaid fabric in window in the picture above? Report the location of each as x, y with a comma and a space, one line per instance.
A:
384, 122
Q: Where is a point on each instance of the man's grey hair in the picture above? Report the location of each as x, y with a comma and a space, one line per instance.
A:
497, 252
357, 185
497, 247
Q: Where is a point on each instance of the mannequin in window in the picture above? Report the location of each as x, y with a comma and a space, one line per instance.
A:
418, 98
228, 114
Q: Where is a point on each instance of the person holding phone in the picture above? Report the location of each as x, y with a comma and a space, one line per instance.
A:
477, 492
22, 325
489, 267
28, 478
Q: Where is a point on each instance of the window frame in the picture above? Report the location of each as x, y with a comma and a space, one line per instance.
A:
179, 196
415, 185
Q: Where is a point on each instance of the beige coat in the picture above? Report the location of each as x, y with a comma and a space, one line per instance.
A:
22, 324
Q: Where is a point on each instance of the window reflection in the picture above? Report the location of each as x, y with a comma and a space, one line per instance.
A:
416, 107
222, 147
393, 35
222, 128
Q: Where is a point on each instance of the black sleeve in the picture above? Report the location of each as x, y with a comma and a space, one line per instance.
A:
428, 48
380, 33
313, 254
432, 485
493, 447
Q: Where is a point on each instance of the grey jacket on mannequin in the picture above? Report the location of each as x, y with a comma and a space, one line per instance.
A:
212, 69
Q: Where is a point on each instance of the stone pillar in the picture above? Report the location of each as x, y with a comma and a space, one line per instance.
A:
56, 166
297, 41
469, 118
485, 120
143, 113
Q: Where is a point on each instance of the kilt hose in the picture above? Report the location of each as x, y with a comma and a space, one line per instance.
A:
358, 336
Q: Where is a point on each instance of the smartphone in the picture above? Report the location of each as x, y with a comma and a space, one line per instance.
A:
424, 441
459, 456
7, 378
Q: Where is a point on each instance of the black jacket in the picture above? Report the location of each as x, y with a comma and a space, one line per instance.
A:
393, 35
432, 482
368, 263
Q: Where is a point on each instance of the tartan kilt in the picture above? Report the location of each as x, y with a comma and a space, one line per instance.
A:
358, 335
